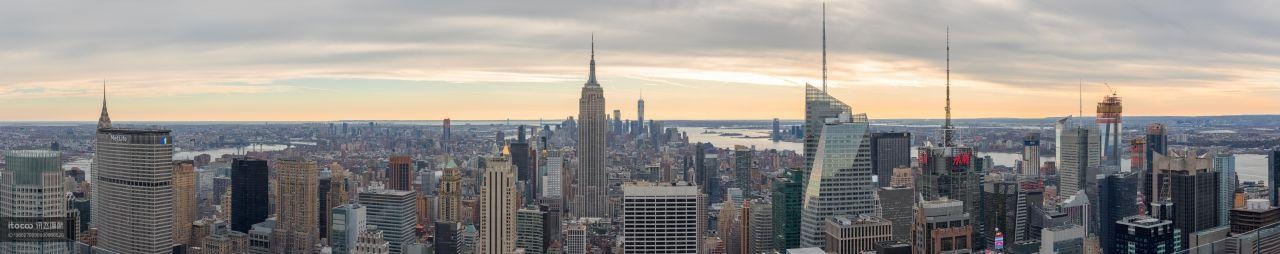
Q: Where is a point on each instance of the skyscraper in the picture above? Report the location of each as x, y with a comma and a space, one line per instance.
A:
1225, 164
818, 107
840, 183
640, 115
393, 212
1031, 156
1193, 188
889, 150
1156, 143
1058, 127
296, 214
660, 217
347, 223
742, 169
591, 198
133, 188
32, 187
451, 193
897, 204
529, 230
248, 193
855, 234
551, 182
788, 202
761, 228
184, 201
1109, 123
1079, 159
497, 208
1117, 199
400, 173
1273, 174
523, 159
942, 226
776, 135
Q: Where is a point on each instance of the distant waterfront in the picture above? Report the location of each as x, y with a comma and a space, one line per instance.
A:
1249, 167
87, 163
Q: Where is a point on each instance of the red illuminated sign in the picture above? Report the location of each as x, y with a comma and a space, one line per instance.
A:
962, 160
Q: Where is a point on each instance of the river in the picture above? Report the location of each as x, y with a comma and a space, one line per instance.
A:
86, 163
1249, 167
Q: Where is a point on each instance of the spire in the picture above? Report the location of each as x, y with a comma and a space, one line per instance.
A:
104, 121
947, 129
642, 94
824, 47
591, 78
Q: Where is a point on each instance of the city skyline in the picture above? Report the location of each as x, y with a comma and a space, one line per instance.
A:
884, 58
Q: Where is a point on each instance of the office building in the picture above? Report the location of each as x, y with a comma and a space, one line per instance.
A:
818, 107
1256, 214
296, 212
776, 135
400, 173
889, 150
32, 186
897, 205
856, 234
529, 231
660, 217
1005, 203
551, 181
1031, 156
260, 241
591, 198
1079, 159
497, 208
184, 201
1155, 142
1111, 130
1140, 234
840, 183
1059, 127
942, 226
524, 159
953, 173
248, 193
133, 189
742, 169
707, 175
1062, 239
451, 193
1117, 199
788, 204
393, 212
347, 223
639, 129
575, 238
760, 230
1192, 185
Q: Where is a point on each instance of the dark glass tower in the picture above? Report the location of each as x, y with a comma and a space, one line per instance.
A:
889, 150
522, 159
788, 200
249, 189
1117, 199
1273, 174
1156, 143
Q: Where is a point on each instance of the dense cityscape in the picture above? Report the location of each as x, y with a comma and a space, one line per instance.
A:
601, 180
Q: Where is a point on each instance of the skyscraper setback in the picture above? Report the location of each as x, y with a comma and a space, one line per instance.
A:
400, 173
591, 198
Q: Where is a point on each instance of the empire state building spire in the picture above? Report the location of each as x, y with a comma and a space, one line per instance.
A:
104, 121
591, 77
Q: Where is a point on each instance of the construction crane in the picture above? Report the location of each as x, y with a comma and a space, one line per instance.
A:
1113, 90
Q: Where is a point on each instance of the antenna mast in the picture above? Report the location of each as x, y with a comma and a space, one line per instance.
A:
947, 129
824, 47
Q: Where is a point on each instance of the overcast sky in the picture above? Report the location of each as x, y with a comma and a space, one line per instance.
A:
708, 59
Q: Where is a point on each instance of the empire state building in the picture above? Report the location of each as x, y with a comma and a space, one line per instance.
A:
591, 197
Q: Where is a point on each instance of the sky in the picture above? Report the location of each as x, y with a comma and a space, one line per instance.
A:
703, 59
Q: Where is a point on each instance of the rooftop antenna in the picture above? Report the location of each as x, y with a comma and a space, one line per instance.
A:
947, 129
1080, 103
824, 47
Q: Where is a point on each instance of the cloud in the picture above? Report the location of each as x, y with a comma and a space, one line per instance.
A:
60, 49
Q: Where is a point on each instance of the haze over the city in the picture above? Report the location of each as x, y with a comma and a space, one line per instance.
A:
401, 60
